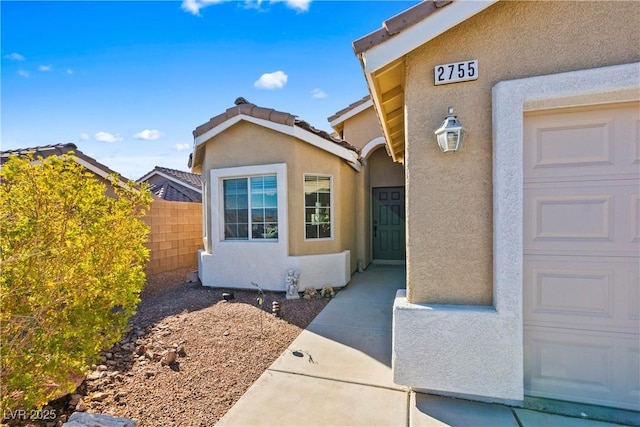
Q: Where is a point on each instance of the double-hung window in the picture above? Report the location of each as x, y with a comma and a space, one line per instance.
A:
317, 207
251, 208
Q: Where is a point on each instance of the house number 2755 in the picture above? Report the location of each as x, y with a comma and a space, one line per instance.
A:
456, 72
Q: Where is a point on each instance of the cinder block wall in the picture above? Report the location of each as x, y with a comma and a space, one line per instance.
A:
175, 236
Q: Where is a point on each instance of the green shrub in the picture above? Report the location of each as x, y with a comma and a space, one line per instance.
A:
71, 261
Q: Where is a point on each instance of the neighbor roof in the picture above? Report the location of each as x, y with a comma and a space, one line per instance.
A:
58, 149
174, 185
278, 120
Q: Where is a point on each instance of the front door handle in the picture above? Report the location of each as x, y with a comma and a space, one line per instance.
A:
375, 231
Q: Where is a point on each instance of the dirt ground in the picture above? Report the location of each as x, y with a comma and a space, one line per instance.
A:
189, 355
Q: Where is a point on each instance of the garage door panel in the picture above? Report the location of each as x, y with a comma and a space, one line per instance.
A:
581, 241
582, 293
634, 297
582, 218
581, 143
584, 366
632, 379
635, 219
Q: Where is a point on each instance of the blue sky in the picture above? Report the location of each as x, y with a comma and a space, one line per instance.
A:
127, 82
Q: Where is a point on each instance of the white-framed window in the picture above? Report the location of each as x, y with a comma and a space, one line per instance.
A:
250, 208
318, 209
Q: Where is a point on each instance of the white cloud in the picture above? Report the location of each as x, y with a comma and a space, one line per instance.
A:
182, 147
14, 57
297, 5
149, 134
107, 137
84, 137
23, 73
318, 94
275, 80
69, 71
45, 68
194, 6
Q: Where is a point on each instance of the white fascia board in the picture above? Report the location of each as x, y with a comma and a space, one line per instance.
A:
297, 132
350, 156
171, 178
357, 110
422, 32
215, 131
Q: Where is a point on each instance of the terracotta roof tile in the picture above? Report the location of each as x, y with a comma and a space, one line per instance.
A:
245, 107
349, 108
398, 23
341, 142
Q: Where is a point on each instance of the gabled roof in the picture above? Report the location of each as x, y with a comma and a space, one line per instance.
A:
58, 149
279, 121
174, 185
381, 53
350, 111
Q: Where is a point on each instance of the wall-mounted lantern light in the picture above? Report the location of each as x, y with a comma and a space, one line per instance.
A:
450, 133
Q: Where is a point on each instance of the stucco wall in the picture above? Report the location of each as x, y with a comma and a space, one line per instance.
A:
362, 128
383, 171
450, 195
175, 235
248, 144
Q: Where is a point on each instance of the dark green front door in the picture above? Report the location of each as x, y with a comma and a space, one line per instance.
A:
388, 223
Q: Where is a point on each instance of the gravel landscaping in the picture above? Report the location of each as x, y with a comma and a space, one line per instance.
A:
189, 355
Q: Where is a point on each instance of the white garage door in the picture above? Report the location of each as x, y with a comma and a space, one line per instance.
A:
582, 255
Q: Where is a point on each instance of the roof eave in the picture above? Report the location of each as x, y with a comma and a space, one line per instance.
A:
292, 130
388, 47
398, 45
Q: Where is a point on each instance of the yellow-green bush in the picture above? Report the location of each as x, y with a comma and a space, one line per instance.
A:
71, 261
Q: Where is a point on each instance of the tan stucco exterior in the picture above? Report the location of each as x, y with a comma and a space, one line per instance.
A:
449, 212
362, 128
384, 172
248, 144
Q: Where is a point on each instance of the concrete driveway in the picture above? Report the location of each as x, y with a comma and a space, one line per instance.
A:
338, 373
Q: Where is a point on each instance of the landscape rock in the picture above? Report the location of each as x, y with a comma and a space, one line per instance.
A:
98, 420
99, 397
169, 358
181, 352
94, 376
73, 401
158, 396
81, 406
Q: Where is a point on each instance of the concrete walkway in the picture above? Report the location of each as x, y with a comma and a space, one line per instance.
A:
338, 373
